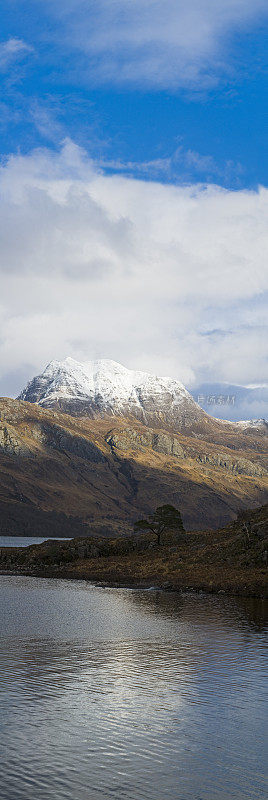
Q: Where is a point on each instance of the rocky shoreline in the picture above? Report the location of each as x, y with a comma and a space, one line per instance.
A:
232, 560
233, 589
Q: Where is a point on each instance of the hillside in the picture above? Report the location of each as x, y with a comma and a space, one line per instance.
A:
59, 472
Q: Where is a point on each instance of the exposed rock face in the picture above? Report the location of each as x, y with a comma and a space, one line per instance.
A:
128, 439
241, 466
10, 443
62, 441
98, 388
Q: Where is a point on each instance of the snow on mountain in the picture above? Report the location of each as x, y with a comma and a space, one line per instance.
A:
100, 387
254, 424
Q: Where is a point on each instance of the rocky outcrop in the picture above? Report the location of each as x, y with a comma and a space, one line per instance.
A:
10, 443
130, 439
50, 436
241, 466
127, 439
64, 442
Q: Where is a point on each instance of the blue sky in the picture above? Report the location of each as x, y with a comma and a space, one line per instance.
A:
205, 118
133, 186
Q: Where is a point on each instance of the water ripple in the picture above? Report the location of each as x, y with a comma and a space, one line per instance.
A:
110, 694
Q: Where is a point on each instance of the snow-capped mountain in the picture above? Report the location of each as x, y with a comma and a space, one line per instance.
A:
103, 387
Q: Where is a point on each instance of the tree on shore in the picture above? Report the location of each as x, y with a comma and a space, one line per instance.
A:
164, 518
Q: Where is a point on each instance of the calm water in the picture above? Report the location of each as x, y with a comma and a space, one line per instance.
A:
24, 541
117, 694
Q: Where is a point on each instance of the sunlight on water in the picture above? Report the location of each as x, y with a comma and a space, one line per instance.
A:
127, 694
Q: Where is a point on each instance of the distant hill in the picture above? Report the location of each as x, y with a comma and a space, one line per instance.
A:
229, 401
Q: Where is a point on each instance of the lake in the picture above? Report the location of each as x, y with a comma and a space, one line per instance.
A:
113, 694
25, 541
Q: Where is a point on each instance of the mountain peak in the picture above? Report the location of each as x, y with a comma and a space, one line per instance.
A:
105, 387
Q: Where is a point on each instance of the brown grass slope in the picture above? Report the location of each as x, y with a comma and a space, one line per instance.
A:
58, 473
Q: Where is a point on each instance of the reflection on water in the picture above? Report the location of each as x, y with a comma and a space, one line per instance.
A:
136, 695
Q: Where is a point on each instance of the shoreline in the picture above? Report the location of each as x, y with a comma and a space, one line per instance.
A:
177, 587
232, 560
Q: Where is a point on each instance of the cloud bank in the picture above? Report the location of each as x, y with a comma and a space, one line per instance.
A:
172, 279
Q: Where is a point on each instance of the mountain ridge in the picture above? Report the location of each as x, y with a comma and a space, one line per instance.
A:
105, 387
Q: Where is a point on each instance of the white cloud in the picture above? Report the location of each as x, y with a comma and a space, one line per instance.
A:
162, 43
179, 165
46, 121
12, 50
166, 278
